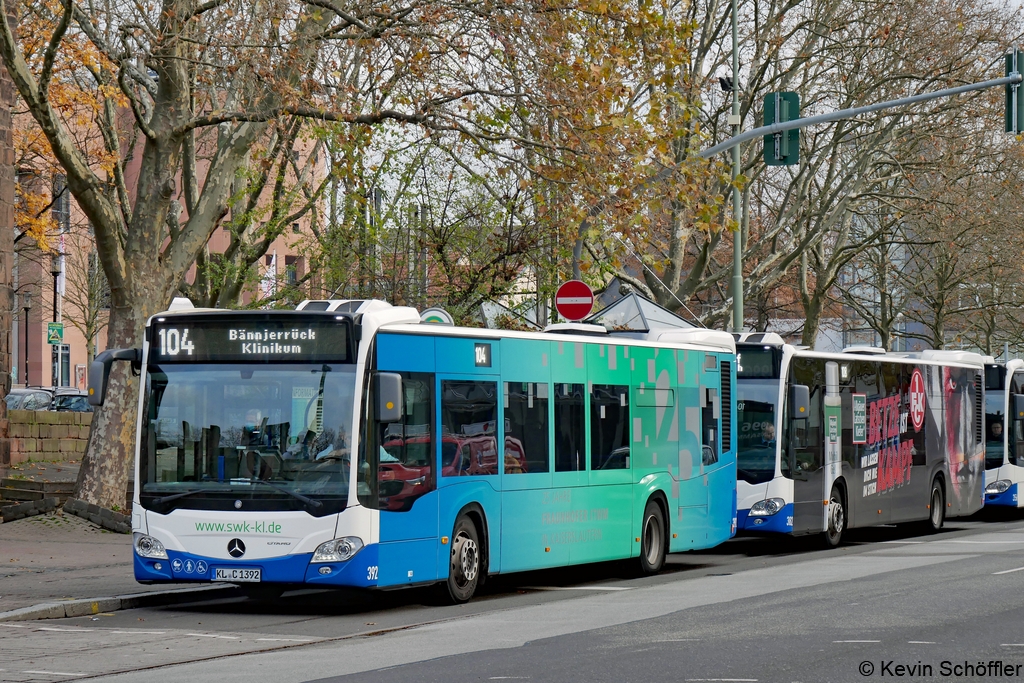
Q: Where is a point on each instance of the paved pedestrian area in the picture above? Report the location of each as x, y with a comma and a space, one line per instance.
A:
72, 649
54, 557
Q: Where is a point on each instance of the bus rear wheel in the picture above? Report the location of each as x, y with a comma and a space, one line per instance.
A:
465, 565
652, 540
835, 519
937, 508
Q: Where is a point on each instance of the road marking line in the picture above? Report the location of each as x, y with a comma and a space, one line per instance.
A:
1008, 571
211, 635
286, 640
915, 542
576, 588
1011, 644
856, 641
132, 633
920, 642
736, 680
64, 630
54, 673
13, 625
982, 542
509, 678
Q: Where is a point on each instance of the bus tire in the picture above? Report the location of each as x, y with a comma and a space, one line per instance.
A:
835, 519
652, 540
937, 507
465, 565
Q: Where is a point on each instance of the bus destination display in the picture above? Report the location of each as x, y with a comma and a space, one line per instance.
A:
240, 340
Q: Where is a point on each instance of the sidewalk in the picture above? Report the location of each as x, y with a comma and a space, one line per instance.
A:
56, 557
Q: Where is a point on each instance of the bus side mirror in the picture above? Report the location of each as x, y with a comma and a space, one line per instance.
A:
99, 371
389, 396
1018, 406
799, 402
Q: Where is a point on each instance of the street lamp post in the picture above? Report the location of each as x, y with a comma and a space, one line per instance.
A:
55, 270
26, 303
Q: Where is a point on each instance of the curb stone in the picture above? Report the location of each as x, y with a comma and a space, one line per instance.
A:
87, 606
10, 513
101, 517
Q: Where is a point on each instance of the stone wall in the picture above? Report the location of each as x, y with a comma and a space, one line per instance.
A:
47, 435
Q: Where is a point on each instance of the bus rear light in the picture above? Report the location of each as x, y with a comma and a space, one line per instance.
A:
998, 486
147, 546
767, 508
338, 550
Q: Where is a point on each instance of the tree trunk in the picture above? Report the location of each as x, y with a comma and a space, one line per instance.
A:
107, 464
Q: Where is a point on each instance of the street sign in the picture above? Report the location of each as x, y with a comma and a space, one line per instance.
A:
54, 333
781, 149
574, 300
1014, 93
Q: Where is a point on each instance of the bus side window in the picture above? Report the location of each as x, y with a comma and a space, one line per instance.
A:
469, 414
526, 427
609, 427
570, 441
396, 464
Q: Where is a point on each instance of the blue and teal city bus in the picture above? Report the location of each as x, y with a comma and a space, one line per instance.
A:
348, 443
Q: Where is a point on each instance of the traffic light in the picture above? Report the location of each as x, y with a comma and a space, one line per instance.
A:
1014, 94
782, 149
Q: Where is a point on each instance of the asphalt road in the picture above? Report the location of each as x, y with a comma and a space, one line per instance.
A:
750, 610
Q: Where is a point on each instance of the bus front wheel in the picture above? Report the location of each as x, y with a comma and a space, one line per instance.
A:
652, 540
464, 569
836, 519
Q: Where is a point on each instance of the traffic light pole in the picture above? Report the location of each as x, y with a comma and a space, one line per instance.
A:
732, 142
737, 210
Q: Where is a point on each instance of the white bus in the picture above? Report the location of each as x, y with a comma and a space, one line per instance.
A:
1004, 432
830, 441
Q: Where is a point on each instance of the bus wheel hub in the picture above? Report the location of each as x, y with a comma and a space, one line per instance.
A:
464, 559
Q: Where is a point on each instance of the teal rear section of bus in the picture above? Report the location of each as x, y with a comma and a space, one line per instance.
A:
553, 447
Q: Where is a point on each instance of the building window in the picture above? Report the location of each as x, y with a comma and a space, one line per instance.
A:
61, 207
291, 267
295, 228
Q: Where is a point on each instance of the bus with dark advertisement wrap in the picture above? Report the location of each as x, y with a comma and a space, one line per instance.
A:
832, 441
349, 443
1004, 432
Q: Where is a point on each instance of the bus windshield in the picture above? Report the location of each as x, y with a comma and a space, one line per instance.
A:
262, 437
994, 416
756, 448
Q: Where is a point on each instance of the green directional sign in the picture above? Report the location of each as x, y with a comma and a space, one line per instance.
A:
781, 149
1014, 93
54, 333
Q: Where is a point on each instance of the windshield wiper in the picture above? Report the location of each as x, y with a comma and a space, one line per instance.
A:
315, 504
176, 496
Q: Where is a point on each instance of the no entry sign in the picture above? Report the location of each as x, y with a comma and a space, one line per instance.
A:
574, 300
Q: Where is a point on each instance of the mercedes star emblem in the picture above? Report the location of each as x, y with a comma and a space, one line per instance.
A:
236, 548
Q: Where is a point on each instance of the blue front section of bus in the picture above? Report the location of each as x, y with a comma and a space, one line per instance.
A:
181, 567
1007, 498
779, 523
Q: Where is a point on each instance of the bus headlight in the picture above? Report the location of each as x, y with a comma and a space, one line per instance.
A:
147, 546
338, 550
766, 508
998, 486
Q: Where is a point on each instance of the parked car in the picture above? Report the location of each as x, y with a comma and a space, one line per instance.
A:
69, 399
31, 398
47, 398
